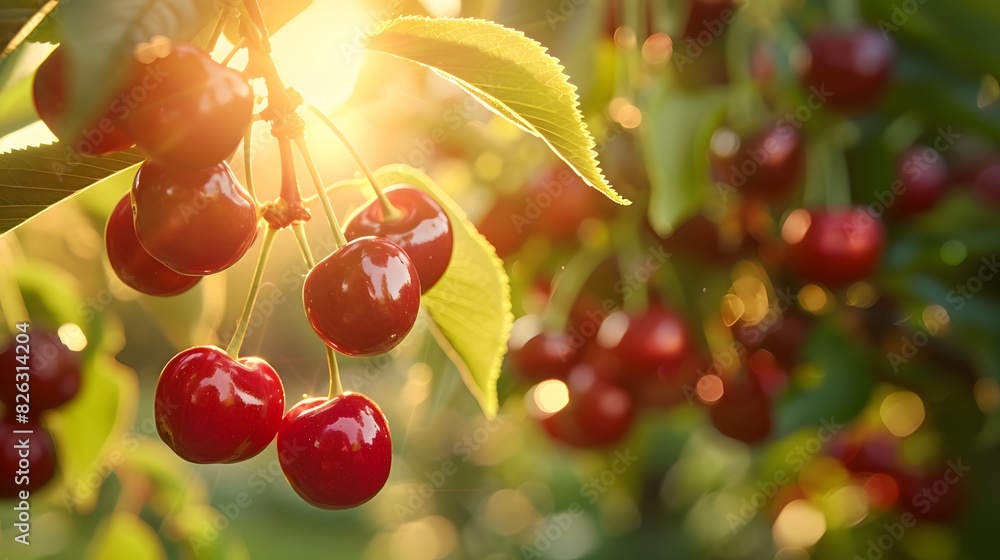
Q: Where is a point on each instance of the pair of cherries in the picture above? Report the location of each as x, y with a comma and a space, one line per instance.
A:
53, 381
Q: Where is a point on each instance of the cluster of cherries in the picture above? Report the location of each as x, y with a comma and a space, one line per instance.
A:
53, 380
187, 216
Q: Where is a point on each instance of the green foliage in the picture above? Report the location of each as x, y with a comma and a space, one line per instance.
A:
506, 71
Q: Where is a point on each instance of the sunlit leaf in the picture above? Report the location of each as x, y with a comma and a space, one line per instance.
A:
506, 71
20, 19
35, 178
470, 304
123, 536
17, 109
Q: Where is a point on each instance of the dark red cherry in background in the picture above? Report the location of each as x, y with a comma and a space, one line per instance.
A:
556, 201
781, 334
342, 451
768, 165
708, 16
41, 451
500, 227
937, 495
538, 354
363, 298
194, 222
211, 408
423, 230
743, 412
132, 264
850, 67
54, 368
49, 90
922, 177
986, 183
653, 340
835, 247
195, 111
599, 413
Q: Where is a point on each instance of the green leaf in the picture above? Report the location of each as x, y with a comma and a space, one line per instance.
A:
123, 536
676, 147
18, 22
17, 109
844, 388
101, 36
34, 179
470, 304
509, 73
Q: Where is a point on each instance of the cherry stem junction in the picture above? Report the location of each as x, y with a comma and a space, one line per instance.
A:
336, 387
389, 212
331, 216
244, 322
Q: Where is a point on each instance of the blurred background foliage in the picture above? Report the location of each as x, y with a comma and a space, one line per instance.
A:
674, 487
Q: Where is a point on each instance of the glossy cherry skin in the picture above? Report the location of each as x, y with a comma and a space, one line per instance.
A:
423, 230
194, 222
834, 247
211, 408
54, 372
197, 115
546, 355
852, 67
743, 412
768, 165
363, 298
41, 453
338, 452
599, 413
49, 89
923, 178
653, 340
132, 264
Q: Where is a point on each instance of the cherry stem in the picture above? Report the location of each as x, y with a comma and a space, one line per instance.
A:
220, 25
248, 167
236, 48
244, 322
389, 212
336, 387
11, 301
331, 216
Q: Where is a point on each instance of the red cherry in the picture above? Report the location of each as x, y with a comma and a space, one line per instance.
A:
195, 111
654, 340
41, 452
599, 413
500, 227
103, 136
539, 355
743, 412
194, 222
782, 335
849, 69
54, 372
768, 165
922, 177
423, 230
834, 247
340, 450
872, 454
363, 298
211, 408
132, 264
